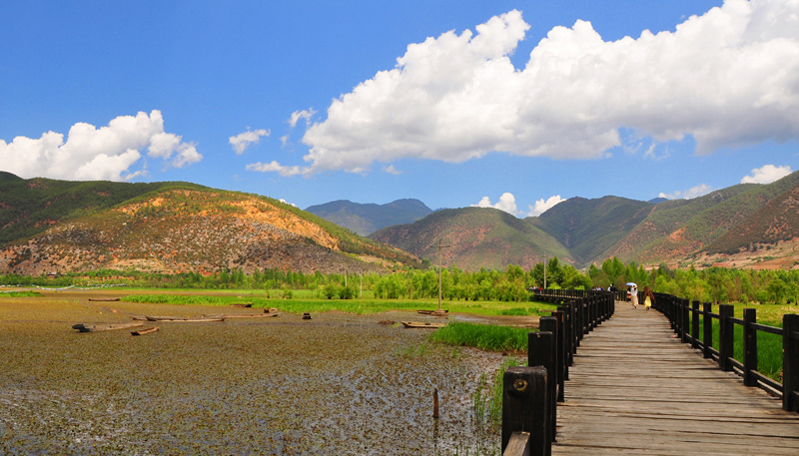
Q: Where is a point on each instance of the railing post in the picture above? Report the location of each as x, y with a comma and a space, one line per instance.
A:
790, 362
750, 347
707, 330
695, 325
589, 318
685, 315
541, 352
524, 403
567, 354
560, 363
726, 336
579, 318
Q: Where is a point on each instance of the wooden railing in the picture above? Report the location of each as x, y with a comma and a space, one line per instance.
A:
685, 320
531, 394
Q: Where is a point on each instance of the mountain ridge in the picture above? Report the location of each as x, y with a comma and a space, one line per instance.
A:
366, 218
178, 226
171, 227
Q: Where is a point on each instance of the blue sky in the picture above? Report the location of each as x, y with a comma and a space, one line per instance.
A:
514, 104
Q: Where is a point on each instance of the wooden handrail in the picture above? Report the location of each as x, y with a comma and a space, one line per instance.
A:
550, 352
679, 313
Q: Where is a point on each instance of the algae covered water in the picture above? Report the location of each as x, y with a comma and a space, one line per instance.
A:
339, 384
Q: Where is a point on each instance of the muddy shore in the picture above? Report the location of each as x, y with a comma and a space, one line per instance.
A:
336, 384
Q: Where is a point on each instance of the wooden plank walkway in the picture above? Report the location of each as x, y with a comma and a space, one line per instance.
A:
636, 390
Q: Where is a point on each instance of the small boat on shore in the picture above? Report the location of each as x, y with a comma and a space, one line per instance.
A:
422, 324
435, 313
82, 327
142, 332
103, 299
241, 304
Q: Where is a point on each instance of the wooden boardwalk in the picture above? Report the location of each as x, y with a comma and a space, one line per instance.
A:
636, 390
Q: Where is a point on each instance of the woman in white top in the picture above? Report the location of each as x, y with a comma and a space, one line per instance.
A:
634, 296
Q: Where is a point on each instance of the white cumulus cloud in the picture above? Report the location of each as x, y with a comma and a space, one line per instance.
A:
392, 170
304, 114
729, 77
693, 192
276, 167
90, 153
507, 203
242, 141
543, 205
766, 175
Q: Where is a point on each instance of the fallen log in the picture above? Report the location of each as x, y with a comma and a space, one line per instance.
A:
422, 324
82, 327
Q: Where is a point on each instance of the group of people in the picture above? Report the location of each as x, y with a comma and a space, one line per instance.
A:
649, 297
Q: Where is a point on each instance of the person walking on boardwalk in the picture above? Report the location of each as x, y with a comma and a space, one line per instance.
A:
634, 295
649, 297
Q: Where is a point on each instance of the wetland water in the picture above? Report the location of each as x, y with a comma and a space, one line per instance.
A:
339, 384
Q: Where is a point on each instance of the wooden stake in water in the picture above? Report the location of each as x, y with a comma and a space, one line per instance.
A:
435, 403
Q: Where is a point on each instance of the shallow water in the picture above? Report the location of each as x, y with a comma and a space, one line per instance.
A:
338, 384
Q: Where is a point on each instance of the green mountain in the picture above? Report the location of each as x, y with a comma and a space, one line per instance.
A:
582, 231
365, 219
686, 228
588, 227
474, 238
50, 225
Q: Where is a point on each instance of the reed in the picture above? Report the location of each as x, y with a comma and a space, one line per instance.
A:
484, 337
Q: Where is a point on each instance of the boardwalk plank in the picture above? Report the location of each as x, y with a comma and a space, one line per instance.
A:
635, 389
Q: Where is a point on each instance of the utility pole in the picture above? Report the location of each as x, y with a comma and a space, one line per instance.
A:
545, 273
439, 272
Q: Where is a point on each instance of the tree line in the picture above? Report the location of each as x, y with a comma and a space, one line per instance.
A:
717, 285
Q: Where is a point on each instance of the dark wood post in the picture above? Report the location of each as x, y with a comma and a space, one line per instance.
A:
573, 333
559, 363
685, 315
695, 325
726, 336
750, 347
564, 310
589, 314
790, 362
671, 313
541, 352
580, 319
524, 405
707, 330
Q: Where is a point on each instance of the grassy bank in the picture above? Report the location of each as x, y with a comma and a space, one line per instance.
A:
484, 337
304, 301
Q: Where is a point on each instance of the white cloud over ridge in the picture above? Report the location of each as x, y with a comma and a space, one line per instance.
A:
693, 192
506, 203
90, 153
728, 78
542, 205
766, 174
244, 140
